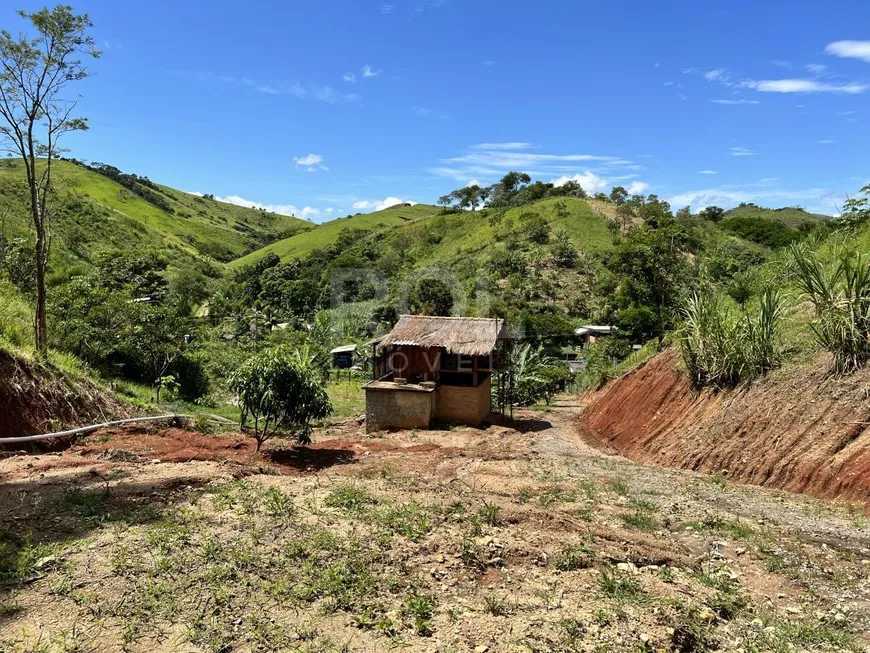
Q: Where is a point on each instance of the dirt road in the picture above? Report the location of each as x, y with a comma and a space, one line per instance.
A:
517, 537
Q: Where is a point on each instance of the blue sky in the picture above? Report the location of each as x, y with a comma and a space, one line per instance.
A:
337, 106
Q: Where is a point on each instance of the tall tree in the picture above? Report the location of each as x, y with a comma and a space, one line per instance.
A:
35, 73
652, 269
713, 213
618, 195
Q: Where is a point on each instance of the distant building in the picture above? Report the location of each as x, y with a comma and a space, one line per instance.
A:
433, 369
591, 333
342, 357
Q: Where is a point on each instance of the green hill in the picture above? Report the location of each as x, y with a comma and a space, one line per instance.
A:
95, 213
301, 245
461, 236
791, 216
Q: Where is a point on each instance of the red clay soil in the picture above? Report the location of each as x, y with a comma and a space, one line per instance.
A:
797, 429
35, 398
180, 446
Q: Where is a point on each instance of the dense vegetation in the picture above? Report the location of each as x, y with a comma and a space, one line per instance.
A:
546, 258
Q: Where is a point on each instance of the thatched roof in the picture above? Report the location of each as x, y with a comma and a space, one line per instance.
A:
471, 336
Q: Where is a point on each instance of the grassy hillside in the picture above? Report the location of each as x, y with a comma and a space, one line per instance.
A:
790, 216
95, 213
300, 245
464, 236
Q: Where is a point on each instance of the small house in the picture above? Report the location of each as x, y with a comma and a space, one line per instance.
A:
342, 357
591, 333
433, 369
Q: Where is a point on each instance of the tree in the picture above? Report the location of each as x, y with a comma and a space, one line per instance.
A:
278, 391
431, 296
157, 340
618, 195
35, 74
625, 214
713, 213
652, 270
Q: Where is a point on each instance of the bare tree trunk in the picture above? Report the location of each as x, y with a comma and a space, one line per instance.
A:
41, 321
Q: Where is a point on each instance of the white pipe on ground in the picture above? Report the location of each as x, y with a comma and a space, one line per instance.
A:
86, 429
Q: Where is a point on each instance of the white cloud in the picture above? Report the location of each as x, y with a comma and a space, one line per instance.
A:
311, 162
816, 68
589, 181
714, 75
472, 182
429, 112
825, 141
513, 145
375, 205
195, 193
683, 96
308, 159
306, 212
707, 172
735, 102
303, 91
592, 183
850, 49
487, 63
350, 78
368, 71
802, 86
387, 9
740, 151
490, 161
821, 199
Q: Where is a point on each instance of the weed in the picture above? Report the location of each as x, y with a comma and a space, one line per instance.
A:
643, 505
574, 556
472, 556
489, 514
620, 487
728, 604
640, 520
410, 520
589, 489
27, 561
618, 586
525, 495
278, 503
556, 494
421, 609
497, 607
350, 497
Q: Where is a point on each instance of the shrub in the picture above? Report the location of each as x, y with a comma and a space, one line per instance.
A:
840, 294
564, 252
770, 233
721, 349
278, 391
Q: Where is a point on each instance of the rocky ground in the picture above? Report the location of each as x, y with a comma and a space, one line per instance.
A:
519, 537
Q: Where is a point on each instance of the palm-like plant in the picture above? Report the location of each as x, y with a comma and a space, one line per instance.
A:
721, 349
840, 294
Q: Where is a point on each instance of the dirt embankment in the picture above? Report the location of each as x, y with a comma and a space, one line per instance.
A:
797, 429
36, 398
